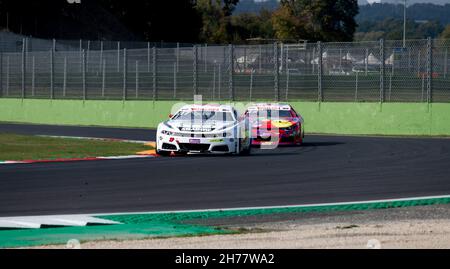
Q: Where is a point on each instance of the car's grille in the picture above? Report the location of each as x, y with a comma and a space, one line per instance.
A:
259, 138
194, 147
223, 148
201, 135
288, 139
169, 146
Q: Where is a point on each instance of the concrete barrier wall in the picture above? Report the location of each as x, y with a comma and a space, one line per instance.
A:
78, 112
376, 118
336, 118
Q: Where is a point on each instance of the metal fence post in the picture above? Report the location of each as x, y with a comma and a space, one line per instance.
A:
390, 85
52, 75
418, 63
393, 63
81, 55
175, 65
306, 57
1, 74
83, 64
382, 69
219, 82
33, 76
118, 56
103, 77
287, 84
260, 59
155, 71
26, 44
423, 86
178, 56
319, 72
214, 82
429, 69
280, 54
276, 71
245, 59
356, 87
101, 57
195, 71
231, 71
137, 79
7, 75
224, 59
125, 67
409, 60
205, 55
65, 77
148, 57
313, 58
54, 45
287, 58
87, 55
366, 61
23, 67
445, 63
251, 84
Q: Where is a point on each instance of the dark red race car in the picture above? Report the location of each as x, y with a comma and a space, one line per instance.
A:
275, 124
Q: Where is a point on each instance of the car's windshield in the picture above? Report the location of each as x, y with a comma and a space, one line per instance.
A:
203, 115
270, 114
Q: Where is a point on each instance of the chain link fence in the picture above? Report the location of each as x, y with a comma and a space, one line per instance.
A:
381, 71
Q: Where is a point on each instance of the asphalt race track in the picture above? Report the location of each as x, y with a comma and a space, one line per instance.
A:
325, 169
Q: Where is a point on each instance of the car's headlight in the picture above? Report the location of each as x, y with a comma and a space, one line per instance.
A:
165, 132
227, 134
224, 127
168, 125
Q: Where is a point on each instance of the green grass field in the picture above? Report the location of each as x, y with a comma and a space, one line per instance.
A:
24, 147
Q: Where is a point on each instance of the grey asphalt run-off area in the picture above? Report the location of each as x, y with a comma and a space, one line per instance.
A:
324, 169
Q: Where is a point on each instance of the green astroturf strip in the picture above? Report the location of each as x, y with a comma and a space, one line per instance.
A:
139, 226
36, 237
183, 216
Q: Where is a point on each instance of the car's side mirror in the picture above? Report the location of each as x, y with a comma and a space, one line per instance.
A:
170, 115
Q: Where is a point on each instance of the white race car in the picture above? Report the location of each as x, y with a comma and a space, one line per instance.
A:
204, 129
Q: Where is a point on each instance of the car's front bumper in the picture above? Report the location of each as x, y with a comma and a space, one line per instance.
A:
196, 145
274, 137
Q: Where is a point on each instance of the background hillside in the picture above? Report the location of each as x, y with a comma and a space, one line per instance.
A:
432, 10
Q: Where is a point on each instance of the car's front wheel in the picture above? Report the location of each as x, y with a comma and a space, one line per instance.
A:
163, 152
245, 150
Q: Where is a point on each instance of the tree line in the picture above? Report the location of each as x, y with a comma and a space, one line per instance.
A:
191, 21
209, 21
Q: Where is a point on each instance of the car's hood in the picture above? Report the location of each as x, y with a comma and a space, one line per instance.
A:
199, 126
